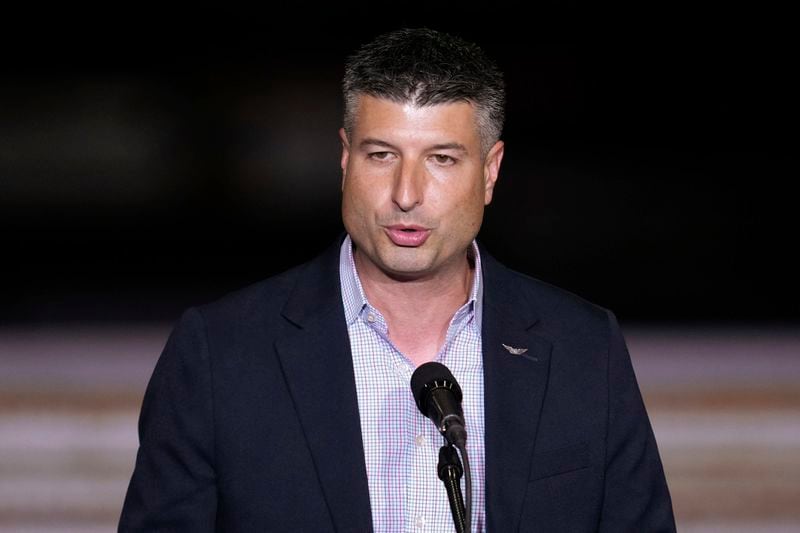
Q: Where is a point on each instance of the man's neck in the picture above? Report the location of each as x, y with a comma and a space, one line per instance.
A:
417, 311
447, 289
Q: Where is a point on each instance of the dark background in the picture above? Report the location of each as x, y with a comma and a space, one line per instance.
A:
152, 162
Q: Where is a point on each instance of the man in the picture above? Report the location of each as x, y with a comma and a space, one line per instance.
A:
286, 406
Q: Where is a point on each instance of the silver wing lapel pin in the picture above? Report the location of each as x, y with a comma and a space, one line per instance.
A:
514, 351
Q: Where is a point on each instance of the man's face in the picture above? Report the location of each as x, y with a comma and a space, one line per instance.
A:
414, 186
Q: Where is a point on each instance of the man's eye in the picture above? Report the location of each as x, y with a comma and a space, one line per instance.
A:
442, 159
380, 156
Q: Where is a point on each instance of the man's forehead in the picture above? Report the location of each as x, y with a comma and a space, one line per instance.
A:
387, 117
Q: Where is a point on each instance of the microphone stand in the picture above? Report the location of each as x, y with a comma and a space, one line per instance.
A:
438, 397
450, 472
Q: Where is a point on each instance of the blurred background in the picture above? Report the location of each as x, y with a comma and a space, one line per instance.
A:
150, 162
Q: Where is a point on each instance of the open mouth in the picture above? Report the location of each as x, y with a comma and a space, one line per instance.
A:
408, 236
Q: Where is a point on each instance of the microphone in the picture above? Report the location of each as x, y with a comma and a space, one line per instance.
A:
438, 396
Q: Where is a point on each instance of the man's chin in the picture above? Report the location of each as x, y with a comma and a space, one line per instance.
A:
405, 268
405, 272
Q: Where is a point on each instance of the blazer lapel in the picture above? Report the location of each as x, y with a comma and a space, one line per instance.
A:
514, 387
317, 365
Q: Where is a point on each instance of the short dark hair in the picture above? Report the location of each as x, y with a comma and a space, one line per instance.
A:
426, 67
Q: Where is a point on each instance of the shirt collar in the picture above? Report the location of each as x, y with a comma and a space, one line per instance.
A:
355, 300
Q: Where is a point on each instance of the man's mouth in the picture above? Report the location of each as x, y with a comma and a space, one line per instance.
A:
407, 235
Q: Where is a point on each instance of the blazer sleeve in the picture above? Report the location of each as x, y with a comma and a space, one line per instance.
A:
636, 495
173, 485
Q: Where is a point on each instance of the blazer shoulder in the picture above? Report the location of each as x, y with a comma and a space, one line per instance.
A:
259, 301
558, 309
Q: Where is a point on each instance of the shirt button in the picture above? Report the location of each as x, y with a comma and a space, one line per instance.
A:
420, 522
370, 318
420, 441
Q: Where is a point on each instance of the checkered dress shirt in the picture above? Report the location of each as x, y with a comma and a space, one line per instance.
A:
401, 446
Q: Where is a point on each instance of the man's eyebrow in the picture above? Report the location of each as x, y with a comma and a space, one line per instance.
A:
443, 146
375, 142
450, 146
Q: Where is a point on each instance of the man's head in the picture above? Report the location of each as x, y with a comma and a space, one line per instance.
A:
425, 67
420, 152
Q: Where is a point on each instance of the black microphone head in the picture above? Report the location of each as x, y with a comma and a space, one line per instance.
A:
431, 376
438, 396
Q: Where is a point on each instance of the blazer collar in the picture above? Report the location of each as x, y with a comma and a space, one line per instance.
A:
318, 368
316, 293
514, 387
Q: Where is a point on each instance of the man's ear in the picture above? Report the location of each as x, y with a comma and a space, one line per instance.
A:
345, 153
491, 170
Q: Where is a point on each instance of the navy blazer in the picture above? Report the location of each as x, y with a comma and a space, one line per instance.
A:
250, 420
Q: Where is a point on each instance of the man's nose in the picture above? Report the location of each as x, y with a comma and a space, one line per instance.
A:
409, 185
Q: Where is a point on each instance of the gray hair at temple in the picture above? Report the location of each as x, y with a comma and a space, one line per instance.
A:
425, 67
